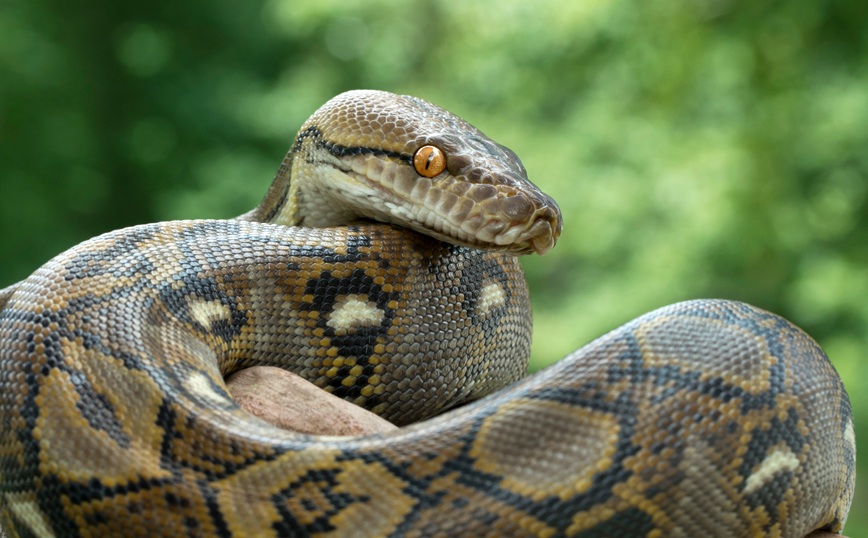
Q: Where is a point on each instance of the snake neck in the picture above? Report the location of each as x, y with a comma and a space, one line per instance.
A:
309, 188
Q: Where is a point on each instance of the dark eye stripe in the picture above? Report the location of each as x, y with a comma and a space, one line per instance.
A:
340, 151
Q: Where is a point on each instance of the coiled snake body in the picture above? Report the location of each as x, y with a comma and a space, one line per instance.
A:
707, 418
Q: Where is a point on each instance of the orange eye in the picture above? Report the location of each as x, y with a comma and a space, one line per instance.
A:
429, 161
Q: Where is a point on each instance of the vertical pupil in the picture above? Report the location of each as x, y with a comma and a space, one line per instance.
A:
430, 158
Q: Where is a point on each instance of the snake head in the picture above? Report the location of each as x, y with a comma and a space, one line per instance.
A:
396, 158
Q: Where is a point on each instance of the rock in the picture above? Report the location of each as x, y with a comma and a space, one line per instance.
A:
288, 401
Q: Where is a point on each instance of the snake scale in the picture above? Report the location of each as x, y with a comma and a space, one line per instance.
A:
704, 418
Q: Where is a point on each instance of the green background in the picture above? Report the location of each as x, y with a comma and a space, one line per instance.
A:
698, 148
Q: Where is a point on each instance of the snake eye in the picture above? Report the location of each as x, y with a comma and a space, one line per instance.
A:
429, 161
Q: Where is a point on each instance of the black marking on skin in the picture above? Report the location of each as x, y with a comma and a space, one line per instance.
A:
277, 207
166, 421
93, 519
590, 396
14, 470
775, 330
98, 410
89, 263
360, 342
329, 256
477, 272
418, 487
18, 475
342, 151
631, 366
556, 512
22, 530
186, 371
552, 510
89, 340
771, 492
625, 412
176, 300
214, 510
629, 522
675, 381
311, 132
326, 481
214, 252
94, 490
762, 440
832, 525
770, 495
54, 494
172, 460
191, 524
767, 398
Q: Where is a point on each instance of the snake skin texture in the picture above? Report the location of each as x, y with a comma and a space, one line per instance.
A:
704, 418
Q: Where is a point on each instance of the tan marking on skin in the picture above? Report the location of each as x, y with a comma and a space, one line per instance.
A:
595, 515
491, 297
579, 443
207, 312
706, 498
255, 484
258, 296
781, 459
379, 515
95, 453
386, 506
26, 509
166, 256
355, 311
714, 347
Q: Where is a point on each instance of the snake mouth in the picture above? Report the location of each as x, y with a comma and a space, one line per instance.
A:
487, 226
506, 218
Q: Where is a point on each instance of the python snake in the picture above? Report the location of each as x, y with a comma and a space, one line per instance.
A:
705, 418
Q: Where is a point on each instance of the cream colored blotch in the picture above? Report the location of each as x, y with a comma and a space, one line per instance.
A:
207, 312
353, 312
781, 459
491, 297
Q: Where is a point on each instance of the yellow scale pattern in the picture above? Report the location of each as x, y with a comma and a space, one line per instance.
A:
708, 417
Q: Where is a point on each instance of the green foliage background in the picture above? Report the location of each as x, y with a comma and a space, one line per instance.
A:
698, 148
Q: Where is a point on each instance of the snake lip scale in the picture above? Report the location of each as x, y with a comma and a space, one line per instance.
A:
381, 265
